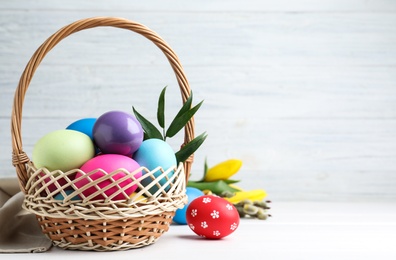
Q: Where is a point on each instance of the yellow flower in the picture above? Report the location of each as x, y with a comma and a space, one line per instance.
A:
223, 170
252, 195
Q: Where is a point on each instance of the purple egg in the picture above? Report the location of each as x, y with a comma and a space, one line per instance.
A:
117, 132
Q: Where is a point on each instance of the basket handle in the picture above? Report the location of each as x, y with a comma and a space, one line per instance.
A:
19, 157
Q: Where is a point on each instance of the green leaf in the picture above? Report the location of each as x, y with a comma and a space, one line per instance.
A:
229, 181
190, 148
145, 136
206, 167
217, 187
180, 121
150, 130
186, 106
161, 109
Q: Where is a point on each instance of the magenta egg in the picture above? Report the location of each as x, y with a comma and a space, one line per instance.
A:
108, 163
117, 132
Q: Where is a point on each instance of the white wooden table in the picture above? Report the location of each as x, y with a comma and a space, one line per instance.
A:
297, 230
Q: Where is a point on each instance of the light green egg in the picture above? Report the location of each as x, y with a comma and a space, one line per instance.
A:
63, 150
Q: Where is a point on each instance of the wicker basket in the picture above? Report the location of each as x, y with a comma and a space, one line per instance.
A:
105, 224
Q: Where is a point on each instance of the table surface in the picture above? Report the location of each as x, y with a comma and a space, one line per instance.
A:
297, 230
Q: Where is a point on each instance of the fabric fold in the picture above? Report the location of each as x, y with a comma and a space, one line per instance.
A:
19, 229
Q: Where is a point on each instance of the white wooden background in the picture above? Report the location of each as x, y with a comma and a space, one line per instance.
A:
303, 91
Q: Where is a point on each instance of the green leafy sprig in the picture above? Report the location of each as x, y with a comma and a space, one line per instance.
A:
184, 115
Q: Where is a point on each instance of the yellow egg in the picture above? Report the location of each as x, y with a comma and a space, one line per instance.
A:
136, 198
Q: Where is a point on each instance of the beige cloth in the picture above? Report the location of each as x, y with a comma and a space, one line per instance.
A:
19, 230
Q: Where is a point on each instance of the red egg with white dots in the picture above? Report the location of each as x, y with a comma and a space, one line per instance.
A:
212, 217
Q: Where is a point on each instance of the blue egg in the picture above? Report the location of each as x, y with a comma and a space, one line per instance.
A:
59, 196
151, 154
180, 215
84, 125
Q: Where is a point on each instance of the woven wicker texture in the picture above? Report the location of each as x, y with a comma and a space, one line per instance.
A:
98, 222
99, 235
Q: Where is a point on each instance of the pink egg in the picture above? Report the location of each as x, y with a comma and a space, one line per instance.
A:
109, 163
